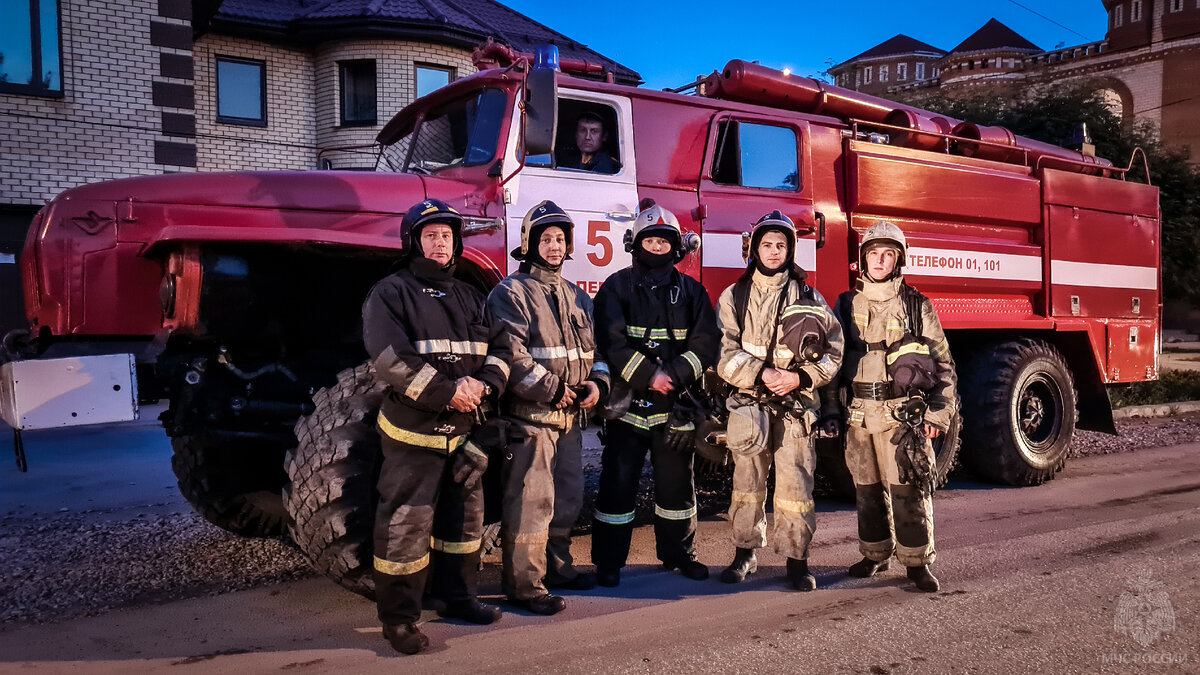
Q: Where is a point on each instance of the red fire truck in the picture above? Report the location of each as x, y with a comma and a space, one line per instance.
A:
236, 296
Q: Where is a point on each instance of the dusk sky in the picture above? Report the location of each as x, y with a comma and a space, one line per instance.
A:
671, 43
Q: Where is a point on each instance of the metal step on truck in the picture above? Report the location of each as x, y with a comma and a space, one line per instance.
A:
237, 296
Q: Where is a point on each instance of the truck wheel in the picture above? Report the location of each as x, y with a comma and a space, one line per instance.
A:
1020, 404
833, 477
233, 483
334, 470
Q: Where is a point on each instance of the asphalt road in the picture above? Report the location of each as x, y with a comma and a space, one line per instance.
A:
1073, 576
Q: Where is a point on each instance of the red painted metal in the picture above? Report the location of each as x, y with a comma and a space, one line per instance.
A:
994, 221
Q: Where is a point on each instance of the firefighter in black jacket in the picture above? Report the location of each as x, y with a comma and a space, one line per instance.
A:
430, 340
658, 332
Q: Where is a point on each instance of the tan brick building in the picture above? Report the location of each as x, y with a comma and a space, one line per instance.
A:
94, 90
1148, 65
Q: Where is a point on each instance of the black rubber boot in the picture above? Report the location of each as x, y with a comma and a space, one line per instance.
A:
472, 610
690, 568
798, 574
608, 578
543, 604
584, 581
923, 578
405, 638
744, 564
867, 568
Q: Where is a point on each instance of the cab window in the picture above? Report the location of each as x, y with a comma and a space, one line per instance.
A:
587, 138
756, 155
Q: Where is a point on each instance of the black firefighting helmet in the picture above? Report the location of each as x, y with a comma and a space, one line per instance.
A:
911, 367
774, 221
425, 213
536, 221
804, 331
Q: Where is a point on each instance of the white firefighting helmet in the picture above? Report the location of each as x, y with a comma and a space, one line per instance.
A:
883, 233
539, 218
653, 220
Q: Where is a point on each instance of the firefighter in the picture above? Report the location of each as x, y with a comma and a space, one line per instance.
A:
901, 389
588, 153
773, 410
657, 328
555, 376
428, 335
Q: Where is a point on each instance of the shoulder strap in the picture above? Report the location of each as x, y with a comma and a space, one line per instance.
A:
741, 300
913, 303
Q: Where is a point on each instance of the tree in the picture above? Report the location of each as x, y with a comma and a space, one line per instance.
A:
1053, 115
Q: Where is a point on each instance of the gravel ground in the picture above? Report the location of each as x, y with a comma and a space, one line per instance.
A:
68, 565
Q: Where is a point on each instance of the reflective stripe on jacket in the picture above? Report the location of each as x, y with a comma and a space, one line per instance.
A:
553, 341
423, 329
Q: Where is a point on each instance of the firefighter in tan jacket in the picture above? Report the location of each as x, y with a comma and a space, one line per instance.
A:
766, 319
900, 381
554, 376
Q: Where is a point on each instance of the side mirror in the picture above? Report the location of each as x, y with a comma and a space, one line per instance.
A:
541, 110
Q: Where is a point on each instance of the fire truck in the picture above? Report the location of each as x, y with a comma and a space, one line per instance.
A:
237, 296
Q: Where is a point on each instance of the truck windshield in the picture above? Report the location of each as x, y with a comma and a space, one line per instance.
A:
461, 133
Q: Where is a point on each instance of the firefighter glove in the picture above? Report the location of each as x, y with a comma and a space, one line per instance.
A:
470, 462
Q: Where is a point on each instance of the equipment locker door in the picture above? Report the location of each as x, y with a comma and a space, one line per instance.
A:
601, 205
753, 165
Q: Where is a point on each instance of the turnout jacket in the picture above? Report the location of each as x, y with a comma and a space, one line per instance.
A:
553, 343
640, 328
744, 342
424, 329
876, 315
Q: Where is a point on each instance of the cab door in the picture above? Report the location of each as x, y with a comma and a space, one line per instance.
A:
601, 205
753, 165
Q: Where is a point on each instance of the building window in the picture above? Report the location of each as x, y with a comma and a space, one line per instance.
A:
431, 78
757, 156
357, 81
1176, 6
1118, 16
936, 72
867, 75
29, 47
901, 72
920, 71
1135, 11
241, 91
883, 73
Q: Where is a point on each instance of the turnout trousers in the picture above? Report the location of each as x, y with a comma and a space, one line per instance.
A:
892, 516
624, 455
425, 523
790, 448
543, 495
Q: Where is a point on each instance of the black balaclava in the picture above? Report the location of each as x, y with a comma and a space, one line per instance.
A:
655, 269
534, 257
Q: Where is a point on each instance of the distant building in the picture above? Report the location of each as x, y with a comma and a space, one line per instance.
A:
1148, 66
93, 90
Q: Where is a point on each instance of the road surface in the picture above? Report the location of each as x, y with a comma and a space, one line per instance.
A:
1096, 571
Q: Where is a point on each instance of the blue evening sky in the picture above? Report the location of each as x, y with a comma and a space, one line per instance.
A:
671, 43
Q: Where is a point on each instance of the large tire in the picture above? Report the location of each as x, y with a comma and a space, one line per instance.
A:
334, 470
833, 477
1020, 405
234, 483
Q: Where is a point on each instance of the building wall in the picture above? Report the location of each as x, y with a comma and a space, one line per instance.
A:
854, 76
1181, 101
289, 139
395, 73
109, 121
